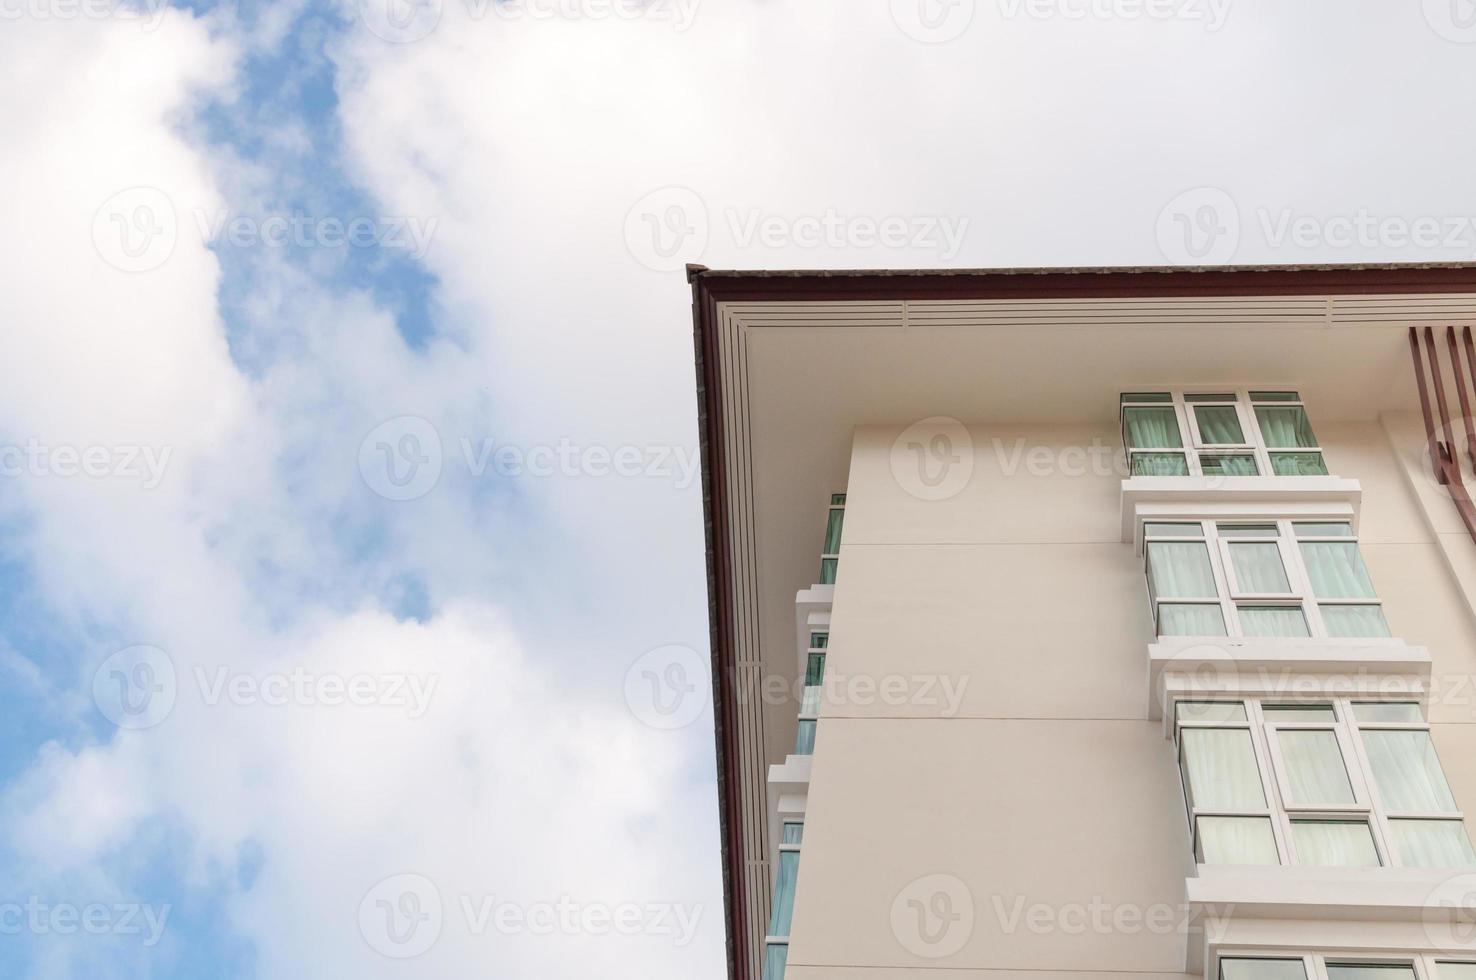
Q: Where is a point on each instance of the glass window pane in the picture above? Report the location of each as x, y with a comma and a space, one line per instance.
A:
1151, 428
1285, 426
794, 832
1160, 464
833, 532
810, 702
838, 498
819, 641
1273, 621
1233, 464
1369, 971
1190, 619
1211, 711
1298, 712
1219, 425
775, 955
1258, 568
1334, 844
804, 739
1275, 396
1220, 769
1247, 530
815, 670
1387, 711
1210, 398
1236, 840
1315, 774
1160, 530
783, 908
1180, 570
1240, 968
1147, 396
1456, 971
1354, 620
1322, 529
827, 571
1336, 569
1298, 464
1432, 844
1407, 772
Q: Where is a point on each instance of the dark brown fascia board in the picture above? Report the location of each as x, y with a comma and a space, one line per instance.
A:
710, 287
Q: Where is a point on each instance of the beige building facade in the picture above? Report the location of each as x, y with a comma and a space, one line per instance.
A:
1093, 623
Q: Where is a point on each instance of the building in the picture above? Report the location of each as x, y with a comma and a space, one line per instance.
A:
1076, 624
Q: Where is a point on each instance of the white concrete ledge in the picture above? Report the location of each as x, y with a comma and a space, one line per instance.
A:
1284, 667
1374, 894
1179, 498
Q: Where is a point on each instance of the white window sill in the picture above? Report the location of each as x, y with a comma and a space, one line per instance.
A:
1179, 498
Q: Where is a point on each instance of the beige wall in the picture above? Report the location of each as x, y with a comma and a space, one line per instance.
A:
1048, 785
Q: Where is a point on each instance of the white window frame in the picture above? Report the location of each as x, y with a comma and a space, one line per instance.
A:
1255, 445
1275, 787
1426, 966
1231, 598
832, 556
770, 940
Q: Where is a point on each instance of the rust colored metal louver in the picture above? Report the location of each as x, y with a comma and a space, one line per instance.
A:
1442, 451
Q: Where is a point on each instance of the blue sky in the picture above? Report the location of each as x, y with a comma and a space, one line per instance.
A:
381, 462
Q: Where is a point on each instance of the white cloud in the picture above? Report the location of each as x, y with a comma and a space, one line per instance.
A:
518, 785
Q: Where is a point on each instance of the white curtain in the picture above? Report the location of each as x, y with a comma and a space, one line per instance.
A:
1219, 425
1407, 772
1315, 773
1159, 464
1334, 844
1298, 464
1285, 426
1432, 844
1272, 621
1372, 971
1152, 428
1336, 569
1241, 465
1190, 619
804, 740
1237, 840
1180, 570
1258, 567
1354, 620
1220, 768
783, 909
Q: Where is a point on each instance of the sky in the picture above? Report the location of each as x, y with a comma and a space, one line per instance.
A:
352, 598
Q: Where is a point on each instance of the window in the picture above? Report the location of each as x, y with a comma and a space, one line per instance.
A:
1280, 966
1330, 783
1219, 433
786, 873
1425, 827
1271, 578
830, 556
1229, 818
804, 742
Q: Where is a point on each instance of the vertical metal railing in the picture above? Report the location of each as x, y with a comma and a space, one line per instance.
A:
1443, 451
